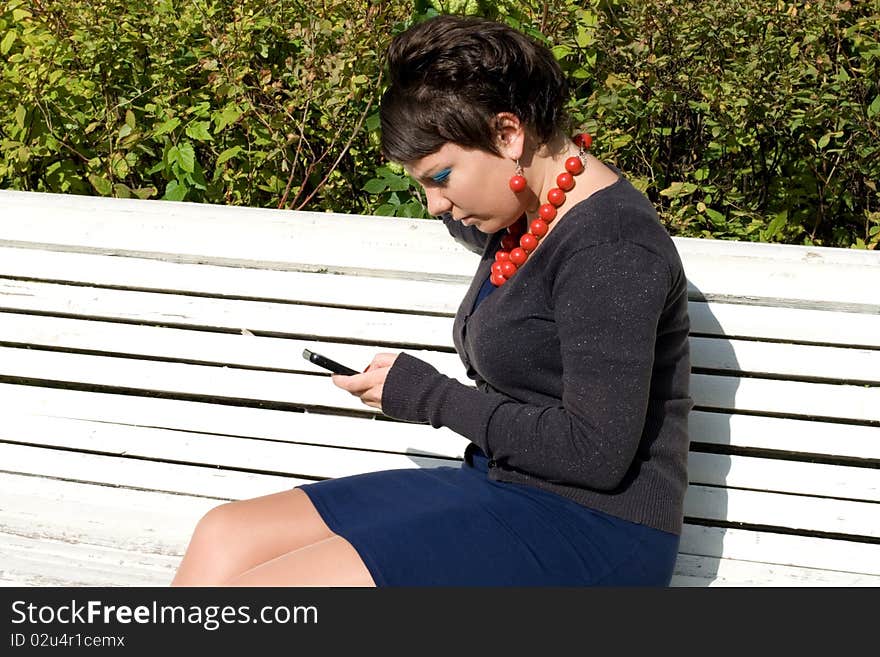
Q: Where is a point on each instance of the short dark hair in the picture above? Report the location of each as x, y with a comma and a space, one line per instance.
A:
450, 76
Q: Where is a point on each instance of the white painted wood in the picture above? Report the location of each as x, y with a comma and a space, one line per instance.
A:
780, 271
107, 482
707, 571
823, 438
779, 359
254, 316
280, 457
798, 398
205, 346
785, 324
137, 521
241, 421
355, 291
314, 461
782, 510
781, 549
149, 522
47, 562
151, 530
717, 392
284, 353
732, 320
772, 509
303, 390
786, 434
856, 483
236, 234
222, 485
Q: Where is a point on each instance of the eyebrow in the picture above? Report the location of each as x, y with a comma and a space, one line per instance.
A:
431, 176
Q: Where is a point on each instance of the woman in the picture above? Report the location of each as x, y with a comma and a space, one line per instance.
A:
575, 329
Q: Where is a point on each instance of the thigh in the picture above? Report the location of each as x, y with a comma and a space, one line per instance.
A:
331, 562
236, 536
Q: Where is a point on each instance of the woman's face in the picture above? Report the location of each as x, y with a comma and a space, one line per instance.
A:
471, 184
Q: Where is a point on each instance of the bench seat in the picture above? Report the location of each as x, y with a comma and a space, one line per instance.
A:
150, 369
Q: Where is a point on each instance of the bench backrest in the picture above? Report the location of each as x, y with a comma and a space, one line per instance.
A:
171, 334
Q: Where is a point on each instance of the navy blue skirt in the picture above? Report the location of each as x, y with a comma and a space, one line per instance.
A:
453, 526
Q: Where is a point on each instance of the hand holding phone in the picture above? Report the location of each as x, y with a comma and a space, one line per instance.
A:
327, 364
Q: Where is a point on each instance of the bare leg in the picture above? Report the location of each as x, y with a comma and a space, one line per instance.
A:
332, 562
237, 536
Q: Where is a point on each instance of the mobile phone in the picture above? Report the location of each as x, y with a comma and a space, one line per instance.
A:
327, 364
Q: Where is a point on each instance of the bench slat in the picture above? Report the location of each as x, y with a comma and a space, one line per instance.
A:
148, 531
733, 320
801, 273
150, 522
221, 485
47, 562
300, 458
782, 549
855, 483
284, 353
28, 562
407, 294
771, 509
721, 429
165, 309
708, 571
264, 423
715, 392
805, 514
190, 345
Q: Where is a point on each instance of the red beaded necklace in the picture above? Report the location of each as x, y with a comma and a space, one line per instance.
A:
510, 257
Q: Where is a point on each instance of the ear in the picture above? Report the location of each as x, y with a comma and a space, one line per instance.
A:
510, 135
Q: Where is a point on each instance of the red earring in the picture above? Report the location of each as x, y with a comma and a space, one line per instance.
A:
518, 181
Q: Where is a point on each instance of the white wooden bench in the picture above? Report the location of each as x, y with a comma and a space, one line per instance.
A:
150, 369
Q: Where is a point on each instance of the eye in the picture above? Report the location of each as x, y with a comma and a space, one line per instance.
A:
440, 177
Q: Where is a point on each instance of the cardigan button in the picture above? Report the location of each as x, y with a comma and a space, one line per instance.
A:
491, 463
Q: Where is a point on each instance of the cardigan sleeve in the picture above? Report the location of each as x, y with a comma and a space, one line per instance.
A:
608, 300
468, 236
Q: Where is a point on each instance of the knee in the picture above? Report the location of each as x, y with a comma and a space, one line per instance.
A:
218, 524
214, 533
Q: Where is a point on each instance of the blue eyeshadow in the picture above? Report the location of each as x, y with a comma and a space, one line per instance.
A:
441, 176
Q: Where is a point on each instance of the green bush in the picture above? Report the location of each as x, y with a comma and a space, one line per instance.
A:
750, 120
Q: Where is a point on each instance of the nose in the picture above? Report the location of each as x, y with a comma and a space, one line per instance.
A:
437, 202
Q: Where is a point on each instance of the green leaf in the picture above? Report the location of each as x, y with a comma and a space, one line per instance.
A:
8, 40
375, 186
715, 217
778, 223
186, 157
823, 141
228, 154
198, 130
874, 107
145, 192
228, 115
174, 191
101, 185
20, 115
129, 119
165, 127
677, 189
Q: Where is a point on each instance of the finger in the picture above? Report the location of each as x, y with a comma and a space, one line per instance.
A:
384, 360
356, 384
